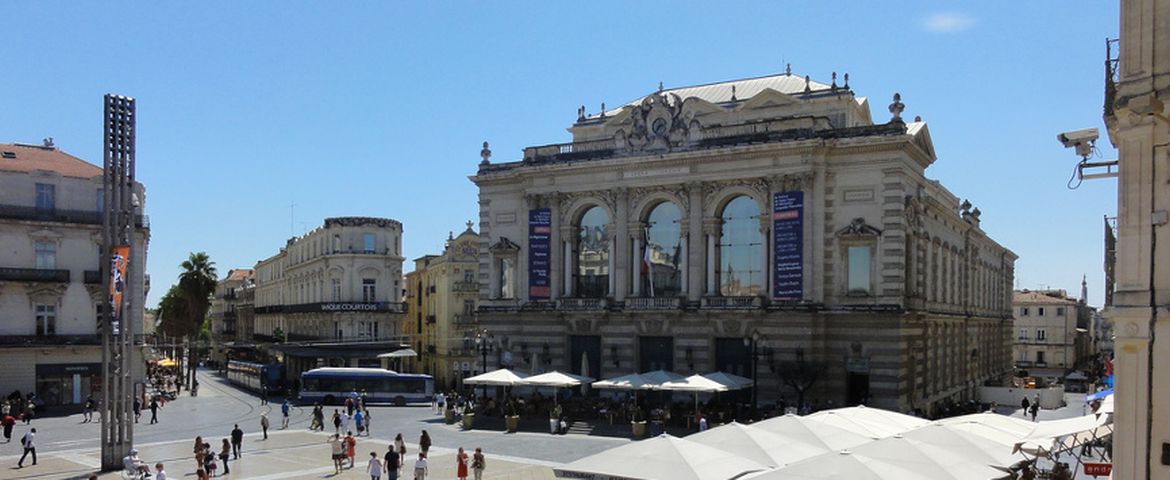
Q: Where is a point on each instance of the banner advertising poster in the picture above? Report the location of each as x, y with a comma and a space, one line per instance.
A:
539, 234
788, 243
119, 258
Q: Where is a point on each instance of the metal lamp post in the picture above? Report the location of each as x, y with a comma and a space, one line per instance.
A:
756, 352
483, 344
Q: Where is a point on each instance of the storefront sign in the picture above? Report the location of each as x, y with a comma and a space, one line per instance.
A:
353, 307
788, 243
66, 369
1098, 469
539, 233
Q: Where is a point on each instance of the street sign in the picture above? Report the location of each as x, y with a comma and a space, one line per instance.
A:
1098, 469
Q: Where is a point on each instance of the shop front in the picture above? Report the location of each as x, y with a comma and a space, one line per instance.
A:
67, 383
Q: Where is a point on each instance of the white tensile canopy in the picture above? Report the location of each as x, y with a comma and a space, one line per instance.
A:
556, 380
694, 383
873, 422
662, 457
814, 434
893, 458
401, 353
639, 381
762, 446
1065, 434
989, 451
733, 382
502, 377
991, 425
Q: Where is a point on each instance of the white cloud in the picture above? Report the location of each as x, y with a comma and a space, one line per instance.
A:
948, 22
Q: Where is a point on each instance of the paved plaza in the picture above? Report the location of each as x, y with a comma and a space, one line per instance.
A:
68, 448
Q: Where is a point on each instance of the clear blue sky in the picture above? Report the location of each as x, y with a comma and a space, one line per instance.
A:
379, 108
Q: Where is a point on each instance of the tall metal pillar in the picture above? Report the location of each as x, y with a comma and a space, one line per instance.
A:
117, 322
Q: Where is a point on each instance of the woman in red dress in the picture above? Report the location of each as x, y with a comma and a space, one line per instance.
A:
461, 464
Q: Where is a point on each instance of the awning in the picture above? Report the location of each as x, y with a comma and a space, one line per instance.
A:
1099, 395
664, 457
403, 353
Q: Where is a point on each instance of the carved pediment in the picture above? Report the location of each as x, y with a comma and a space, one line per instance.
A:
858, 228
658, 124
504, 247
767, 98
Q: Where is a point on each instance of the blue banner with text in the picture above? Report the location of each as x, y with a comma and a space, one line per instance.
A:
539, 232
788, 243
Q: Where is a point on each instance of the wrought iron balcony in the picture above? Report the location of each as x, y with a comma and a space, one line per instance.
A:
33, 275
85, 217
653, 303
49, 340
582, 303
464, 319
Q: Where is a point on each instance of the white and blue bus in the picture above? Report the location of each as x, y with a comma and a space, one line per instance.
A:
333, 385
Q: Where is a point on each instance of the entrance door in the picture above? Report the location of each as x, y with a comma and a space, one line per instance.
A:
655, 353
857, 385
585, 356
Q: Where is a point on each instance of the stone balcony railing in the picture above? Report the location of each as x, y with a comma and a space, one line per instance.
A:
465, 287
733, 303
582, 303
653, 303
34, 275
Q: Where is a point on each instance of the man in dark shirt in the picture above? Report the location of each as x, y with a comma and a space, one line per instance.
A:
392, 462
237, 440
154, 410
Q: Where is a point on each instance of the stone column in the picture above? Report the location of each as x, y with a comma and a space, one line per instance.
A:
620, 246
567, 259
682, 261
554, 253
612, 262
696, 240
638, 235
766, 255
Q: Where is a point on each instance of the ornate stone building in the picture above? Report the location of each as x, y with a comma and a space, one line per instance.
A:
333, 296
51, 290
442, 294
225, 313
746, 226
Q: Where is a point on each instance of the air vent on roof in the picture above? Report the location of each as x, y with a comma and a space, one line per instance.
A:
8, 154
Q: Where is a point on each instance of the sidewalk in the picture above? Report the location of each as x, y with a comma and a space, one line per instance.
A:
285, 455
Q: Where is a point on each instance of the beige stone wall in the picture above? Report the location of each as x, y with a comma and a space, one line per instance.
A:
438, 289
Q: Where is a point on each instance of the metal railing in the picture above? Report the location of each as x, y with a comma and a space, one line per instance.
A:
582, 303
87, 217
463, 319
34, 274
92, 277
1111, 75
653, 303
732, 303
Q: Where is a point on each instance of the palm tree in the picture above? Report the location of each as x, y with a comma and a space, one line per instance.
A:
174, 320
197, 283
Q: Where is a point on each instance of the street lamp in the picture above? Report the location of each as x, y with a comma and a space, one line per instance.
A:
483, 344
756, 352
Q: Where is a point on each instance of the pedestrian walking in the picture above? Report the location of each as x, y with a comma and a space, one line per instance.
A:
224, 454
264, 424
201, 474
442, 402
338, 449
461, 464
208, 460
237, 440
349, 406
29, 447
1024, 404
424, 443
198, 452
374, 467
284, 408
154, 410
336, 422
159, 473
30, 411
1034, 410
702, 423
400, 446
435, 403
357, 422
350, 447
264, 395
366, 421
88, 415
137, 409
420, 467
393, 463
345, 418
8, 422
478, 463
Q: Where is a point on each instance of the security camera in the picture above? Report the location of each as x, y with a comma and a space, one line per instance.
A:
1082, 140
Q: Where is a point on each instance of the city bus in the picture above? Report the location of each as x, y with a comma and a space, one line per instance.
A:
333, 385
257, 377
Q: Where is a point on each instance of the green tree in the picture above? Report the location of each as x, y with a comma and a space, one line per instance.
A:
174, 321
197, 284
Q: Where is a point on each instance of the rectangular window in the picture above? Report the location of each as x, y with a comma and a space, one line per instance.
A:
507, 273
1024, 312
46, 254
336, 286
46, 196
1040, 334
46, 320
1040, 357
101, 200
368, 243
1023, 334
469, 307
1040, 311
369, 293
1060, 311
859, 270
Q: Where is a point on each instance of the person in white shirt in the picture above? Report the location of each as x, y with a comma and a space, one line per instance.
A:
27, 442
420, 467
134, 465
159, 473
374, 467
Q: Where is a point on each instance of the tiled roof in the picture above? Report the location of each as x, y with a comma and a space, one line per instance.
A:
238, 274
1039, 298
745, 88
15, 157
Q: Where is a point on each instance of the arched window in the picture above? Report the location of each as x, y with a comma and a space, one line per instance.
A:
661, 259
593, 254
741, 263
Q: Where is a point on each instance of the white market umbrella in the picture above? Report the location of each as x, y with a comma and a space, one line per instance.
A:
759, 445
733, 382
986, 449
402, 353
1016, 427
696, 384
816, 434
874, 422
662, 457
556, 380
500, 378
639, 381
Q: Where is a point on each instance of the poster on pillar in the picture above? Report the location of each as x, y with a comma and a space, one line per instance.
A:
119, 258
788, 244
539, 233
